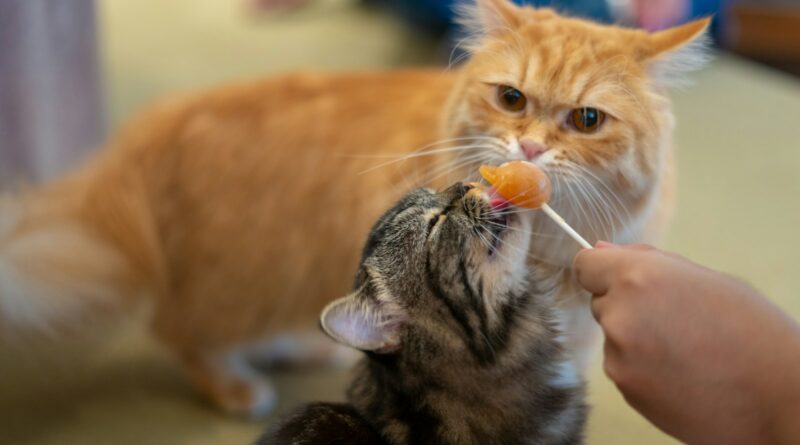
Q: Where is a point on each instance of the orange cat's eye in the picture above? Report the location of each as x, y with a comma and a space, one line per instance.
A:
586, 119
511, 99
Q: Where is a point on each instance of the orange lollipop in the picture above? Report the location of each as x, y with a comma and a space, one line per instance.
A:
526, 185
521, 183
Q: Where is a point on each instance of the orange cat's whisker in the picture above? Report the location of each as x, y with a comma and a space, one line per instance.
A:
446, 169
426, 151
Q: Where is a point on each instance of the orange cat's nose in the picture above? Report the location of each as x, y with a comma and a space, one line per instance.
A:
531, 149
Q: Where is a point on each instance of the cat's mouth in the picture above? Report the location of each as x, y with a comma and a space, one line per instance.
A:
497, 229
500, 217
496, 216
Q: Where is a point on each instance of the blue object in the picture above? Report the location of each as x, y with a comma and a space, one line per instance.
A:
596, 10
717, 8
438, 16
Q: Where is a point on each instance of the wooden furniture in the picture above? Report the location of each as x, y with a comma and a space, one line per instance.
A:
768, 32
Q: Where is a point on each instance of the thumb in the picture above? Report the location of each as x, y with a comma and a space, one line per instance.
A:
595, 268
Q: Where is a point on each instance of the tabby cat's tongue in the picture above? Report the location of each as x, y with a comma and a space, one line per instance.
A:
497, 202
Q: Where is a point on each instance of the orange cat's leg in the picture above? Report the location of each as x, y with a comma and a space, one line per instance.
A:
301, 348
219, 359
230, 381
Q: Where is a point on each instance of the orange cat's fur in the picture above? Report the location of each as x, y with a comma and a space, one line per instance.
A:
241, 211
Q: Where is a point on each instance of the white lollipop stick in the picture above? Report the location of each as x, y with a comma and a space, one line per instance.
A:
563, 224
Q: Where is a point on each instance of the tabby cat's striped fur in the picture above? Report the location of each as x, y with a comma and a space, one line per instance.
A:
461, 346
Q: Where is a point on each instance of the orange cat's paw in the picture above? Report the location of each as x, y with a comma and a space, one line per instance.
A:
254, 398
230, 382
303, 348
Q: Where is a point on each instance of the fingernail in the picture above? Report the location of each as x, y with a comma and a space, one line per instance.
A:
605, 245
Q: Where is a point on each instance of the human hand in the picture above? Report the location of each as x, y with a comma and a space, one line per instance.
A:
701, 355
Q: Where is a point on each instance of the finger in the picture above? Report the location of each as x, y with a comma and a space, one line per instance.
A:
611, 350
595, 268
640, 247
613, 367
598, 306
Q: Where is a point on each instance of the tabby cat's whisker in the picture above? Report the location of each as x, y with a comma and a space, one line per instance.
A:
515, 229
489, 242
499, 240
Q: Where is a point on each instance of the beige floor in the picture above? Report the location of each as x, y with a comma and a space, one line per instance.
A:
739, 211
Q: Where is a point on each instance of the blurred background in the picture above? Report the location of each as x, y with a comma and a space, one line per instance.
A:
73, 70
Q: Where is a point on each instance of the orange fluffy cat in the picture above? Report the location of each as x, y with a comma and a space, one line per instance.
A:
241, 211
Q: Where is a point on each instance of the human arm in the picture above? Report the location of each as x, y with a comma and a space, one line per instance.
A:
700, 354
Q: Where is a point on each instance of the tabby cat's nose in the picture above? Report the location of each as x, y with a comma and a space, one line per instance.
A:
462, 188
531, 149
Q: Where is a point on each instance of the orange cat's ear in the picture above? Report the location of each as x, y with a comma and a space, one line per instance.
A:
672, 53
488, 17
677, 37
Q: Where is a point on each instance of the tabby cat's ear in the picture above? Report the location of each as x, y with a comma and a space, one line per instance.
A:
488, 17
674, 52
362, 321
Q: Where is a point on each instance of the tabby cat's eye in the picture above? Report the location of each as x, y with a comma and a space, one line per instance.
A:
436, 219
586, 119
511, 99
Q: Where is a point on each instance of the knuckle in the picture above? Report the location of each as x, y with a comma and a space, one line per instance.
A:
579, 262
620, 374
611, 369
615, 371
597, 310
622, 329
635, 279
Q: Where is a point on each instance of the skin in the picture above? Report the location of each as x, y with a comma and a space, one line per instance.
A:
701, 355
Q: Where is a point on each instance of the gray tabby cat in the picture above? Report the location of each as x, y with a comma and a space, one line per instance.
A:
460, 347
